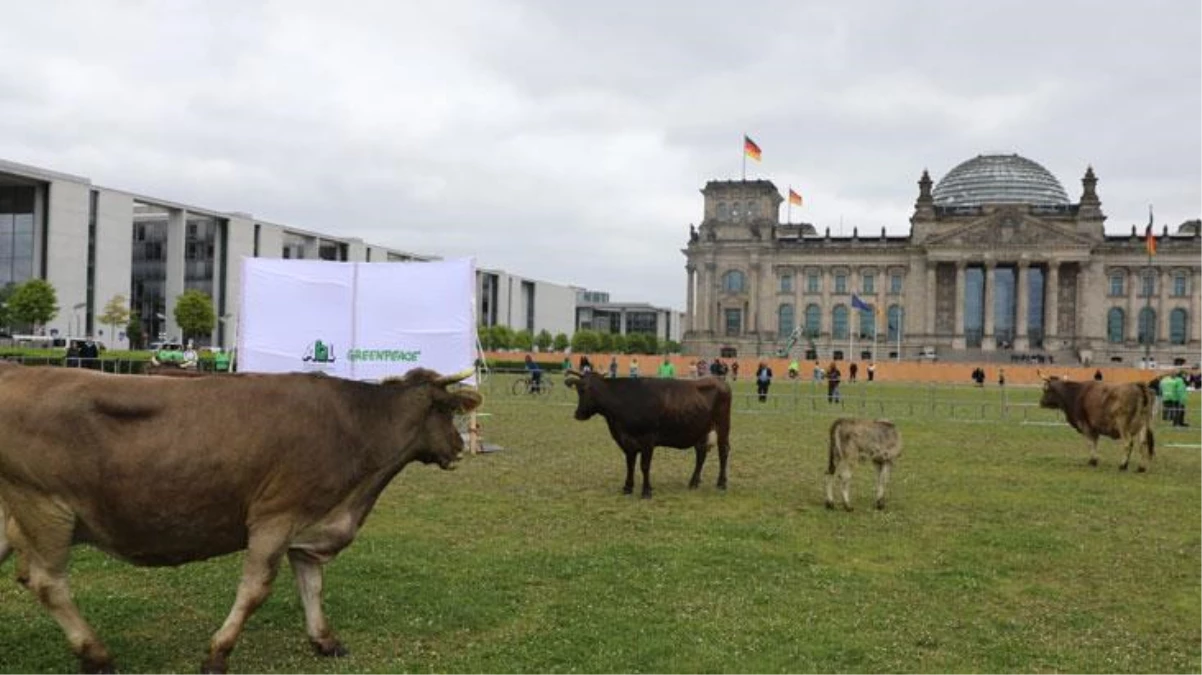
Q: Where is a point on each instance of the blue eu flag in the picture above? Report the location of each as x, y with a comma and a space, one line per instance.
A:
859, 304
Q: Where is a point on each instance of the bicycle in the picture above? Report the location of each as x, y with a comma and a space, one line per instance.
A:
525, 385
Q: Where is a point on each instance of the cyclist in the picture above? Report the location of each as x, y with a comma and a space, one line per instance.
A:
536, 375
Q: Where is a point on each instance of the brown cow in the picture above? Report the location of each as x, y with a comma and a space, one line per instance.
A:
164, 471
854, 440
645, 413
1122, 411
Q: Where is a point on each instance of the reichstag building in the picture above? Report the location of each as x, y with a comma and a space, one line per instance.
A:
999, 264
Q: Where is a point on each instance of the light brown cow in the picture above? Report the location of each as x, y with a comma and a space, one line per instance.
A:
1118, 410
853, 440
164, 471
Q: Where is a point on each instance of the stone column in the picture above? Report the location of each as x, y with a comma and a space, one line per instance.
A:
932, 305
708, 297
828, 278
988, 339
753, 322
1194, 327
690, 314
1022, 307
958, 326
799, 316
1132, 328
1162, 310
1051, 306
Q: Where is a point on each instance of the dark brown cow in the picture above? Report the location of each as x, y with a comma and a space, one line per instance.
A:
1122, 411
648, 412
164, 471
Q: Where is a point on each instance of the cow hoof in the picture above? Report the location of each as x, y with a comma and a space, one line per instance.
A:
646, 495
627, 490
880, 505
1093, 461
213, 666
848, 508
722, 486
693, 485
93, 666
830, 506
1123, 467
1142, 469
334, 648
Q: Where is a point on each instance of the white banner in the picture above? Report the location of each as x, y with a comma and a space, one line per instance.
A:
362, 321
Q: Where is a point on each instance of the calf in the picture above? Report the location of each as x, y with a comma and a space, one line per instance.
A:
1122, 411
645, 413
856, 440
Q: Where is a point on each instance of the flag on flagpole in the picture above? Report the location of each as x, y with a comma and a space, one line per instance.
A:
859, 304
750, 149
1149, 238
794, 198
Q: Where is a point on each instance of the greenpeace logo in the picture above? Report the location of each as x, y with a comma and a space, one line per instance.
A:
384, 355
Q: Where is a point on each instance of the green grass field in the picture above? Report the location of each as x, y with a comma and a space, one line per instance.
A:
1000, 551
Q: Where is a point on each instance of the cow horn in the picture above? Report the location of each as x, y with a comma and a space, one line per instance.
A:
1039, 372
571, 377
457, 377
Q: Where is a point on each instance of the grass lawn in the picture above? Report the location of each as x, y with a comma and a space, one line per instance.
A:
1000, 551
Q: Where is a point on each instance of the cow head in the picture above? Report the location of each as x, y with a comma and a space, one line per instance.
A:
438, 441
1051, 397
589, 389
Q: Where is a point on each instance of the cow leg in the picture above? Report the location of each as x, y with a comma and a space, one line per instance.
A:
309, 579
628, 487
723, 456
645, 465
258, 571
702, 449
1130, 443
42, 564
882, 478
1093, 451
845, 485
829, 483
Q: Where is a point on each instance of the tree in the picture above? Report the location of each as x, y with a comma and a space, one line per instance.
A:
116, 313
585, 342
133, 331
194, 313
502, 337
543, 340
652, 343
561, 342
636, 343
605, 342
523, 340
618, 344
671, 347
33, 302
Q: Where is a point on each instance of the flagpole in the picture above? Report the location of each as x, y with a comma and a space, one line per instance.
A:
901, 313
1148, 239
744, 156
789, 206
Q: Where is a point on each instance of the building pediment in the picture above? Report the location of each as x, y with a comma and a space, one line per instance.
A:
1008, 229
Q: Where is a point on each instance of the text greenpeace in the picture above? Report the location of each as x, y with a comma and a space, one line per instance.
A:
385, 355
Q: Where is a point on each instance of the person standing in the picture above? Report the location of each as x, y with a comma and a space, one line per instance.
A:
734, 370
1097, 375
634, 367
613, 367
763, 380
586, 366
833, 376
852, 370
667, 369
1172, 392
1001, 377
871, 371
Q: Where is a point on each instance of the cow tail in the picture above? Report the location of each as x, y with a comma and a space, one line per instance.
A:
1149, 410
835, 450
1151, 438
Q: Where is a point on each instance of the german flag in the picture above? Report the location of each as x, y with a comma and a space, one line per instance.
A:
750, 148
794, 198
1149, 238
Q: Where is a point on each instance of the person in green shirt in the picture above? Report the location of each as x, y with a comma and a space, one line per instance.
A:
168, 355
1172, 392
666, 369
221, 361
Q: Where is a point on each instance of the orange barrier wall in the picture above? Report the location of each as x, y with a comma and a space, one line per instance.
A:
886, 371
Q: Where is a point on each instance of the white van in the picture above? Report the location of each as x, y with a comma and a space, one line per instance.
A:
927, 354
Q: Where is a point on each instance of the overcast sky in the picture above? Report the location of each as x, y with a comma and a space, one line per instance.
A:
567, 141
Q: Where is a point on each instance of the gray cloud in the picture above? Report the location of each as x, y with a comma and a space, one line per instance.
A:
567, 142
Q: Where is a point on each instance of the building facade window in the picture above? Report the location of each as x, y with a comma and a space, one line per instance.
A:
723, 211
893, 318
16, 233
1178, 322
1147, 326
813, 320
1115, 325
869, 283
839, 329
1147, 287
841, 283
813, 282
1116, 284
867, 324
734, 282
786, 283
895, 283
734, 322
1180, 285
784, 320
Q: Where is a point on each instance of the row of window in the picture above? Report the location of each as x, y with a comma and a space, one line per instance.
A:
811, 325
1180, 284
736, 210
1116, 326
734, 281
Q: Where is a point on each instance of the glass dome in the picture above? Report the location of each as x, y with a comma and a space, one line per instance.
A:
999, 179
